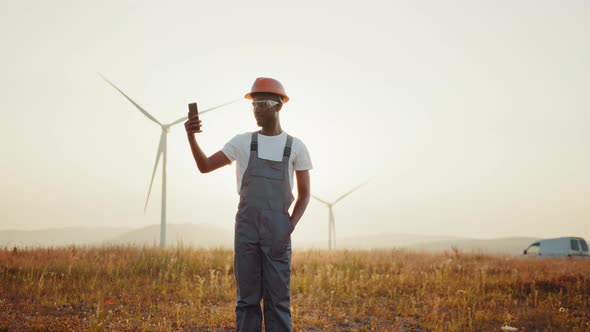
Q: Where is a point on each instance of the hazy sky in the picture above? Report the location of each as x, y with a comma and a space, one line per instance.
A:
471, 118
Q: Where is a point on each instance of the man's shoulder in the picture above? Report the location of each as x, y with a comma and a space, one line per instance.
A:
300, 156
297, 142
246, 135
242, 138
237, 147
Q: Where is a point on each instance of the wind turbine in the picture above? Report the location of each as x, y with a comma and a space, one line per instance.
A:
162, 151
331, 224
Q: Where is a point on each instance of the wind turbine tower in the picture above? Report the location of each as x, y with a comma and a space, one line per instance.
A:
163, 153
331, 223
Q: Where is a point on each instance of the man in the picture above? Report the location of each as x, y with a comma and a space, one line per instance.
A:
265, 162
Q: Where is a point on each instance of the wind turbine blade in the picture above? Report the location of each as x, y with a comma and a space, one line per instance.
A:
218, 106
350, 192
321, 200
158, 154
149, 116
184, 118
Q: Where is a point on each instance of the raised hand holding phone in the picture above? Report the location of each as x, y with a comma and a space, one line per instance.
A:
193, 124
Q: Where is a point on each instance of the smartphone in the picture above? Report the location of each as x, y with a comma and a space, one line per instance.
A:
193, 112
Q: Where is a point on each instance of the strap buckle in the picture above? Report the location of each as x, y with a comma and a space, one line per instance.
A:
287, 152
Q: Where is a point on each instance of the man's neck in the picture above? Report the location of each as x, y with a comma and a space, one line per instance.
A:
271, 130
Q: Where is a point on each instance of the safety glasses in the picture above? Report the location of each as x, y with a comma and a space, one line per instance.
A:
264, 104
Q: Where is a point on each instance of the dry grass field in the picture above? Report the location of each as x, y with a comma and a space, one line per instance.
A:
180, 289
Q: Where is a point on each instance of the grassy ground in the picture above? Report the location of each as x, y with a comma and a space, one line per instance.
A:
148, 289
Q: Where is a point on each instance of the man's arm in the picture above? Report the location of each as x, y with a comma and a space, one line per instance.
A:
204, 163
303, 196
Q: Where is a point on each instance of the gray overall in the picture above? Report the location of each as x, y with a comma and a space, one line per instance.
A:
262, 243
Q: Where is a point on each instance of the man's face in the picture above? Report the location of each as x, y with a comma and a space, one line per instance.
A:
265, 113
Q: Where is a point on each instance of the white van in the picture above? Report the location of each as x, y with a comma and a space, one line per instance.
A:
561, 246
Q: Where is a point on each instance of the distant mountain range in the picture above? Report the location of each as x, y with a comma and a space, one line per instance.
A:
190, 235
201, 235
506, 245
60, 236
211, 236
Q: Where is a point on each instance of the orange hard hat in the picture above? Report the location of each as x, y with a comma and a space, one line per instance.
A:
269, 85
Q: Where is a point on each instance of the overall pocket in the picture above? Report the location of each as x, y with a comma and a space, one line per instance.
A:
280, 227
269, 169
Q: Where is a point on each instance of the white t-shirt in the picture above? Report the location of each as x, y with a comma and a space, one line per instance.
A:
269, 147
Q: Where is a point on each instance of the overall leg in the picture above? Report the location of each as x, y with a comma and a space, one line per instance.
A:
276, 275
276, 285
248, 272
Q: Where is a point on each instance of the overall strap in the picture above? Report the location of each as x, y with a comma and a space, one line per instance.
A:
251, 164
287, 151
254, 142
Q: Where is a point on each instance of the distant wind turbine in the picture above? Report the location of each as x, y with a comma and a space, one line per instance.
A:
162, 151
331, 224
